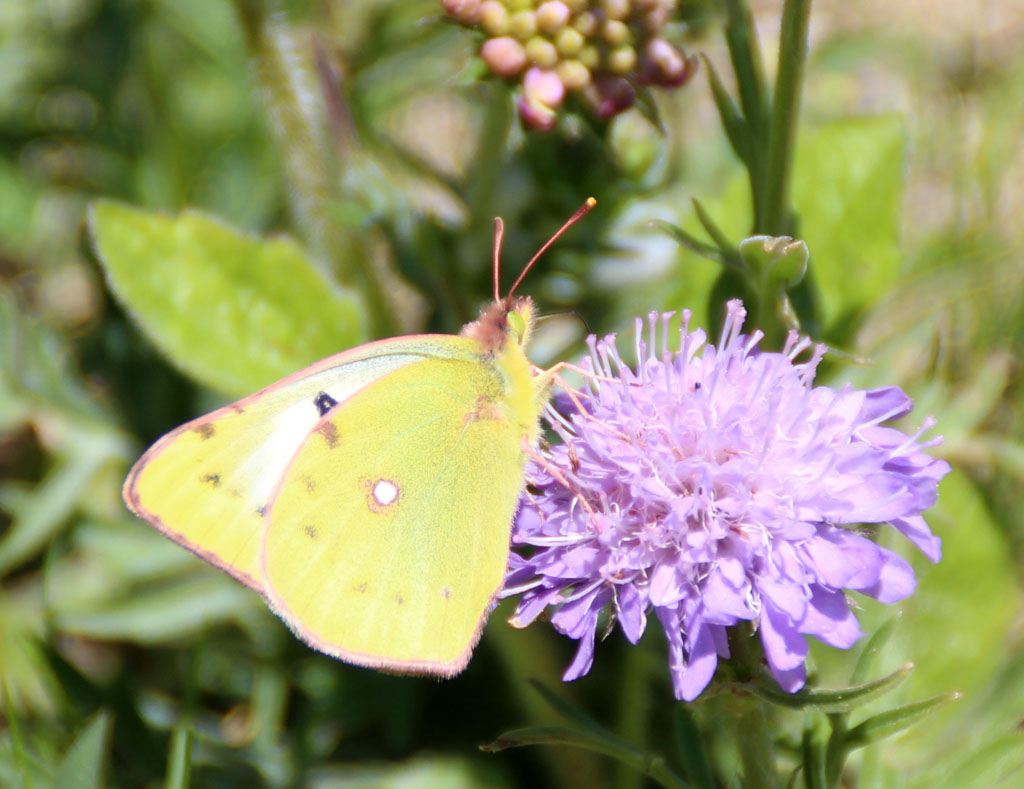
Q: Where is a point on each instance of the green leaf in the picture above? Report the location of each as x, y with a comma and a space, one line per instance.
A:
651, 765
847, 189
82, 765
736, 127
840, 700
46, 510
566, 709
870, 651
962, 616
998, 763
234, 311
693, 755
164, 612
893, 721
690, 242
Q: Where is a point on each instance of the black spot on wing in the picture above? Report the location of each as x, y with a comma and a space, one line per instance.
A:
324, 403
310, 531
213, 480
205, 430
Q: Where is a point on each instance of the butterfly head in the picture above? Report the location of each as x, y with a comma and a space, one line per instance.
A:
511, 317
508, 320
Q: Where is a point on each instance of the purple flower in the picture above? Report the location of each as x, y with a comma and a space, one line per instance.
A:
715, 485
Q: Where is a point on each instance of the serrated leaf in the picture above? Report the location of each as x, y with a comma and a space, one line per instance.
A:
83, 764
233, 311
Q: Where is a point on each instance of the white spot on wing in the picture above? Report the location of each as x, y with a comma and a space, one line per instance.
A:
385, 492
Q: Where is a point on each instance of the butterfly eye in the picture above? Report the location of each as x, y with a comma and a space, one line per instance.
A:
517, 323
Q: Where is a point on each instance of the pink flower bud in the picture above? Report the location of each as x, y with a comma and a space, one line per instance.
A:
504, 56
537, 115
543, 87
466, 11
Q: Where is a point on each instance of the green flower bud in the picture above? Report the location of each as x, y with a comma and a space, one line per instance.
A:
541, 52
523, 25
494, 17
590, 56
586, 23
616, 33
622, 60
569, 41
616, 9
574, 75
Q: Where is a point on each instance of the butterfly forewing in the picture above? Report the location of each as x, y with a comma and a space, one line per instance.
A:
207, 483
387, 537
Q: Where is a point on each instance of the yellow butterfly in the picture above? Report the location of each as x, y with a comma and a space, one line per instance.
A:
370, 496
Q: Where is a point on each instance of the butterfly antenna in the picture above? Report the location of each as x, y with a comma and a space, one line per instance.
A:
581, 212
499, 236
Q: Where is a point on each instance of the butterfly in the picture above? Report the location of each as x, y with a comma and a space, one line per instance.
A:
369, 497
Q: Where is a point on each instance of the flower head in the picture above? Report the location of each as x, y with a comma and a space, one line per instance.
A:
596, 49
716, 485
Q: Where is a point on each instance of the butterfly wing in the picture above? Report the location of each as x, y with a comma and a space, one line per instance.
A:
207, 484
387, 537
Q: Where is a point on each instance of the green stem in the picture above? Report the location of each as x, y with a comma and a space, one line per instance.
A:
785, 112
314, 151
633, 712
288, 80
753, 733
747, 64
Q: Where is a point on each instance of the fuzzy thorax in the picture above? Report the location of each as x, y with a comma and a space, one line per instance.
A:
499, 321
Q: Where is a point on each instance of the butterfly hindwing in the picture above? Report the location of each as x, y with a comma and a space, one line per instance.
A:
387, 537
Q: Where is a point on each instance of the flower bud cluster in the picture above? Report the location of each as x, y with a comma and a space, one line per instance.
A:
598, 49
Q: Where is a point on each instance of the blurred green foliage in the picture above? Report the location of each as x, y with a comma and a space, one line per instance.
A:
348, 166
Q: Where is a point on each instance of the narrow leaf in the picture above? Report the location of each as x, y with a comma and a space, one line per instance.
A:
894, 721
841, 700
869, 654
693, 754
736, 128
690, 242
712, 230
646, 763
82, 765
567, 710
